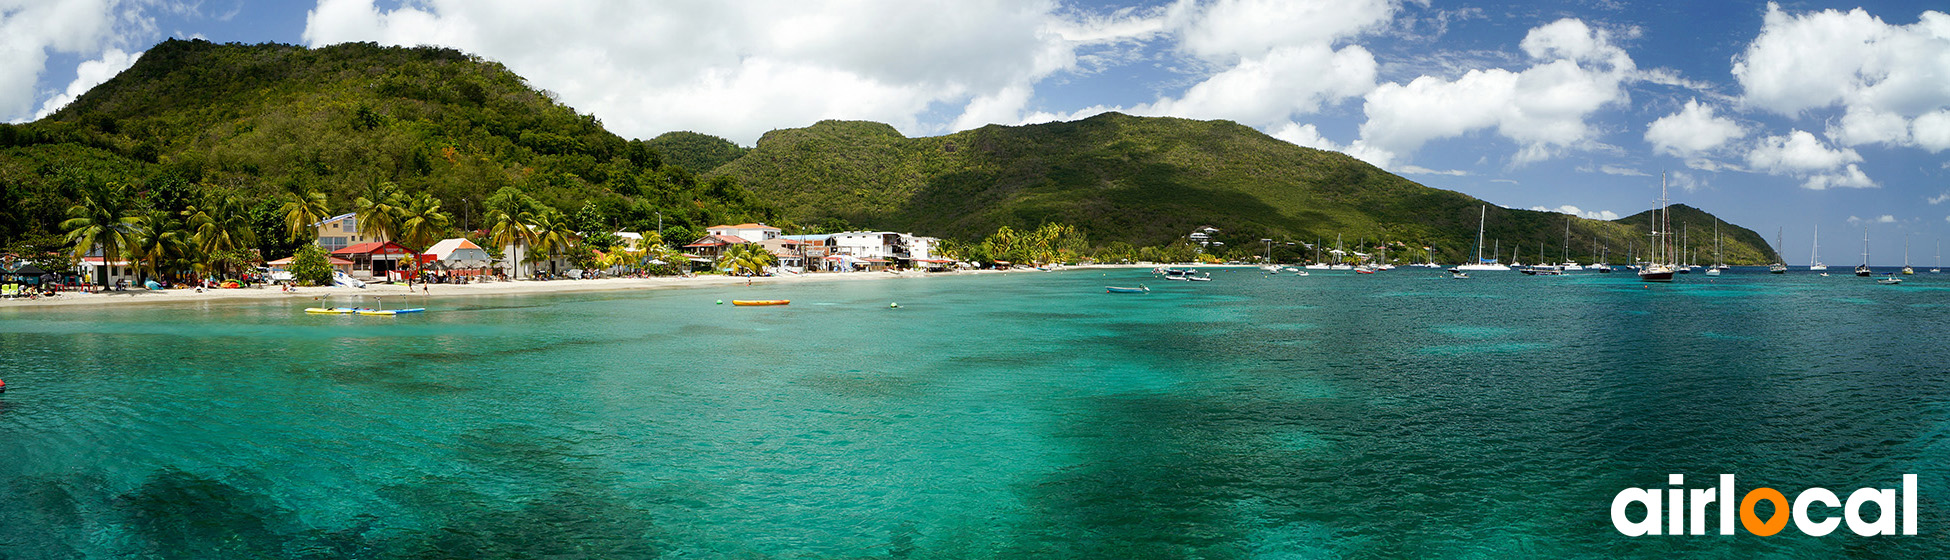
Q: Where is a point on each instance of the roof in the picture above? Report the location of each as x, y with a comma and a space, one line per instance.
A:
333, 219
374, 247
715, 240
745, 226
335, 261
98, 260
448, 246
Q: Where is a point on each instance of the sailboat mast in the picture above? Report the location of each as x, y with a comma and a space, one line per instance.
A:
1483, 214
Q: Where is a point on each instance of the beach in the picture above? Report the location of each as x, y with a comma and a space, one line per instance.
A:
431, 292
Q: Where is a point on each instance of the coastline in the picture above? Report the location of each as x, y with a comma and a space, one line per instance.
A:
440, 291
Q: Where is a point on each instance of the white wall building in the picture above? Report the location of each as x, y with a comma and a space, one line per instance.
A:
749, 232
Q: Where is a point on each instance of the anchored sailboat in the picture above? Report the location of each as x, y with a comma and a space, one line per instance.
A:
1481, 263
1656, 269
1778, 267
1864, 269
1814, 255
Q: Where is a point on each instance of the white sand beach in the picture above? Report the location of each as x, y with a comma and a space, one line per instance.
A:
338, 295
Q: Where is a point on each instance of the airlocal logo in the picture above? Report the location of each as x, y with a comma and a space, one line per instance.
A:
1685, 510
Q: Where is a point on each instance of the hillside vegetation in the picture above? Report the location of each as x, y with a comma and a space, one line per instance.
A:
1149, 181
262, 122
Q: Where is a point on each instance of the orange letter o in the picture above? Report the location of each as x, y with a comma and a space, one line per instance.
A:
1774, 524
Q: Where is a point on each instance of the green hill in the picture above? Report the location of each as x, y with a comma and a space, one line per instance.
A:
192, 118
1143, 181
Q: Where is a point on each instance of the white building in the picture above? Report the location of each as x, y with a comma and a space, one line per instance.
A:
885, 245
748, 232
341, 231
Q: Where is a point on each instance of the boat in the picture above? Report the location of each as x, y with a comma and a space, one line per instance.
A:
1122, 290
1863, 270
334, 310
1719, 263
1814, 255
1204, 277
1777, 267
756, 302
1299, 273
1906, 269
1458, 274
1480, 264
1889, 279
389, 312
1939, 258
1653, 270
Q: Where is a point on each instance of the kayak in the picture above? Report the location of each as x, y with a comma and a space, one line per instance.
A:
1122, 290
333, 310
391, 311
760, 301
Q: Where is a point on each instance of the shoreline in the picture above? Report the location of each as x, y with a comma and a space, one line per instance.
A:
440, 291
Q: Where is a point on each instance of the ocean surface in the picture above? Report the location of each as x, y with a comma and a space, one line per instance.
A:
1399, 415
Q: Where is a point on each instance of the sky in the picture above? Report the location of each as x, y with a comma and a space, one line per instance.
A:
1786, 116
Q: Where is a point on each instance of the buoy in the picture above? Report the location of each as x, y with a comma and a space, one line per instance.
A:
893, 306
3, 385
720, 302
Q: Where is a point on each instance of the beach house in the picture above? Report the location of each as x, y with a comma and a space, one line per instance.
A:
341, 231
749, 232
376, 259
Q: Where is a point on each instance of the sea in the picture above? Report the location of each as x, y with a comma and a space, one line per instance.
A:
1025, 415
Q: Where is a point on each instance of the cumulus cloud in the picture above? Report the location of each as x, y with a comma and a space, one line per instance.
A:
1579, 212
1939, 199
88, 75
1801, 155
30, 31
1692, 131
1575, 71
738, 69
1883, 76
1883, 219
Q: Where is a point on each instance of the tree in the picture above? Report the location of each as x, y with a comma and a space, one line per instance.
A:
553, 234
311, 266
378, 211
301, 211
159, 241
510, 215
746, 258
103, 219
422, 223
221, 231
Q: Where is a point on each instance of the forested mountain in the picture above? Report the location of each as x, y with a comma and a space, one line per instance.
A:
193, 119
1148, 181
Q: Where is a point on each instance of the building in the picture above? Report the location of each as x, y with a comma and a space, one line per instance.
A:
812, 251
894, 248
375, 259
787, 250
118, 270
341, 231
750, 232
712, 246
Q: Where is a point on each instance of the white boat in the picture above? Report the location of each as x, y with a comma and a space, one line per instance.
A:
1889, 280
1458, 274
1299, 273
1906, 268
1939, 258
1814, 255
1717, 264
1653, 270
1777, 267
1480, 264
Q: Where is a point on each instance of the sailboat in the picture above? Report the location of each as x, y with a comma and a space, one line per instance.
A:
1863, 270
1906, 268
1654, 270
1480, 263
1814, 255
1939, 258
1569, 265
1338, 265
1778, 267
1719, 264
1318, 264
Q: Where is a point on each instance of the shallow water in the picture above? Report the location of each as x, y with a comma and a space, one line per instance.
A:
1398, 415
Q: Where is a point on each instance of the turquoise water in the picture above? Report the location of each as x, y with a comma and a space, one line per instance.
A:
1400, 415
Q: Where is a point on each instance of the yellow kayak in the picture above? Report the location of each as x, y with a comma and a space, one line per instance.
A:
760, 301
332, 310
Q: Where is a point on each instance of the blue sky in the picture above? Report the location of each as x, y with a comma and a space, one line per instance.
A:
1786, 115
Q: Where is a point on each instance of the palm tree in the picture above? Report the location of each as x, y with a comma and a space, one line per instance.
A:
160, 240
510, 228
103, 219
552, 234
301, 212
747, 258
421, 222
220, 230
378, 211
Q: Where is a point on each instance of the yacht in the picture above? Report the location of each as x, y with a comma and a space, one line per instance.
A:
1814, 255
1653, 270
1480, 264
1863, 270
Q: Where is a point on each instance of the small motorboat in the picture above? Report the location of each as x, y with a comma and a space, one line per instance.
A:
1458, 274
391, 311
1889, 280
1299, 273
1122, 290
1204, 278
754, 302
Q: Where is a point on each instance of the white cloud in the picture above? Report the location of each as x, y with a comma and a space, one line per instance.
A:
739, 69
1939, 199
1692, 131
1273, 87
1882, 75
1309, 136
1575, 71
1883, 219
1932, 132
1579, 212
30, 31
88, 75
1419, 170
1801, 155
1622, 171
1685, 181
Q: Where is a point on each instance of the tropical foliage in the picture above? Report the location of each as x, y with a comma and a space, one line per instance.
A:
311, 266
746, 258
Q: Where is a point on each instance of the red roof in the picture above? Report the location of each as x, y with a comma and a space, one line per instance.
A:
375, 248
721, 240
335, 261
